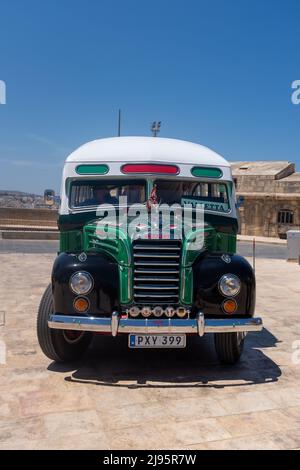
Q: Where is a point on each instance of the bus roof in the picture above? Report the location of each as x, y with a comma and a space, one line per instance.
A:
146, 149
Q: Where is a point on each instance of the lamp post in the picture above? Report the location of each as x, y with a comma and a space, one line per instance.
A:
155, 128
119, 123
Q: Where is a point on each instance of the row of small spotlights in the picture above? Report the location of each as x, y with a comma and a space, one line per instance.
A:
158, 312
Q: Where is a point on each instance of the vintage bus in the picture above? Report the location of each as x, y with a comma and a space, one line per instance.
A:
148, 230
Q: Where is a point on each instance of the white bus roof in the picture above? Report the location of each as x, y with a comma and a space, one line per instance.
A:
146, 149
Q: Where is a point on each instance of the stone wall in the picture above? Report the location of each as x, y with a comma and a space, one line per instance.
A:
287, 186
22, 218
250, 184
266, 184
266, 189
259, 215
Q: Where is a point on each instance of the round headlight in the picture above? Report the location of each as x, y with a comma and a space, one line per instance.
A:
81, 283
230, 285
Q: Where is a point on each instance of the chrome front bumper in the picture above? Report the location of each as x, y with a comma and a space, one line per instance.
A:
116, 324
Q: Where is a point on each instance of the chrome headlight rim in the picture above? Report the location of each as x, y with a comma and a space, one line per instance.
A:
237, 290
90, 279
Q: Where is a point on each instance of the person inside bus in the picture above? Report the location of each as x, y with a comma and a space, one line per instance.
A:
100, 196
169, 192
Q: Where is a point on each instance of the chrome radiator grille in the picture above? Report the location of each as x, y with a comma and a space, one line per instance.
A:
156, 271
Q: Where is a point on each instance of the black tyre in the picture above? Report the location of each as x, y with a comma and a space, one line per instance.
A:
229, 346
59, 345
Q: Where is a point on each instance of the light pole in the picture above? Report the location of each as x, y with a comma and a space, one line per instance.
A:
119, 123
155, 128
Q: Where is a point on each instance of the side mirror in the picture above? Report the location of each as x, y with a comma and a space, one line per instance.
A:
49, 196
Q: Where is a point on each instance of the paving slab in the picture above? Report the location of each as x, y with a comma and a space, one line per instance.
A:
118, 398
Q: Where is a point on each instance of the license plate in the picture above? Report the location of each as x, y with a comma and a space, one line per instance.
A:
157, 341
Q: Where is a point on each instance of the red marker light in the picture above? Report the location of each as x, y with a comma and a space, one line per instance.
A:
150, 168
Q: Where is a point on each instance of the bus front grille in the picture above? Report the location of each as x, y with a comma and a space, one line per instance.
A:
156, 271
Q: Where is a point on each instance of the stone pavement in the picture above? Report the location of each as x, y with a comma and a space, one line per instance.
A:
119, 398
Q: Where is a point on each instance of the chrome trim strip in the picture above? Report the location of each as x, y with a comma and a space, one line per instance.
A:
156, 271
147, 287
115, 325
151, 263
157, 296
155, 248
155, 256
155, 279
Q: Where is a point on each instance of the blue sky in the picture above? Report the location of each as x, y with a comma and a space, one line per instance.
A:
217, 72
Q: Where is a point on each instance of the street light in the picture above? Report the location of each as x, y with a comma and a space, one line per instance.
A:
155, 128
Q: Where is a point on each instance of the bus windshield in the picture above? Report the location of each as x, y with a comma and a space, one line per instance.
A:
213, 196
93, 193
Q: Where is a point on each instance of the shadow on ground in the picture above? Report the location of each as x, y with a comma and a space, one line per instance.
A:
109, 362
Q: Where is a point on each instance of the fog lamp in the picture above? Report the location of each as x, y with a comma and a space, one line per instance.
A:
81, 304
158, 311
134, 312
146, 312
181, 312
229, 306
170, 312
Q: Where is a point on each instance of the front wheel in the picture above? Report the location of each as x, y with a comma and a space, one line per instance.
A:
59, 345
229, 346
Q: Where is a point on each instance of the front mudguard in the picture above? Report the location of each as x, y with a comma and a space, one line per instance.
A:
207, 272
105, 293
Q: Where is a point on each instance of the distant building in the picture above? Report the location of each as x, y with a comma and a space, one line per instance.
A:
268, 194
21, 200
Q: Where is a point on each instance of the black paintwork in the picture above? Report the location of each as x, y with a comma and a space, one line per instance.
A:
207, 271
105, 293
77, 221
104, 296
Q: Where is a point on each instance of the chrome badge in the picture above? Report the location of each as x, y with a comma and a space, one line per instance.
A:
226, 258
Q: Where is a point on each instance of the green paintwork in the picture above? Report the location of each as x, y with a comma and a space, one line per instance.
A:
116, 242
186, 286
225, 243
189, 254
126, 288
188, 257
71, 241
92, 169
214, 242
206, 172
118, 246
